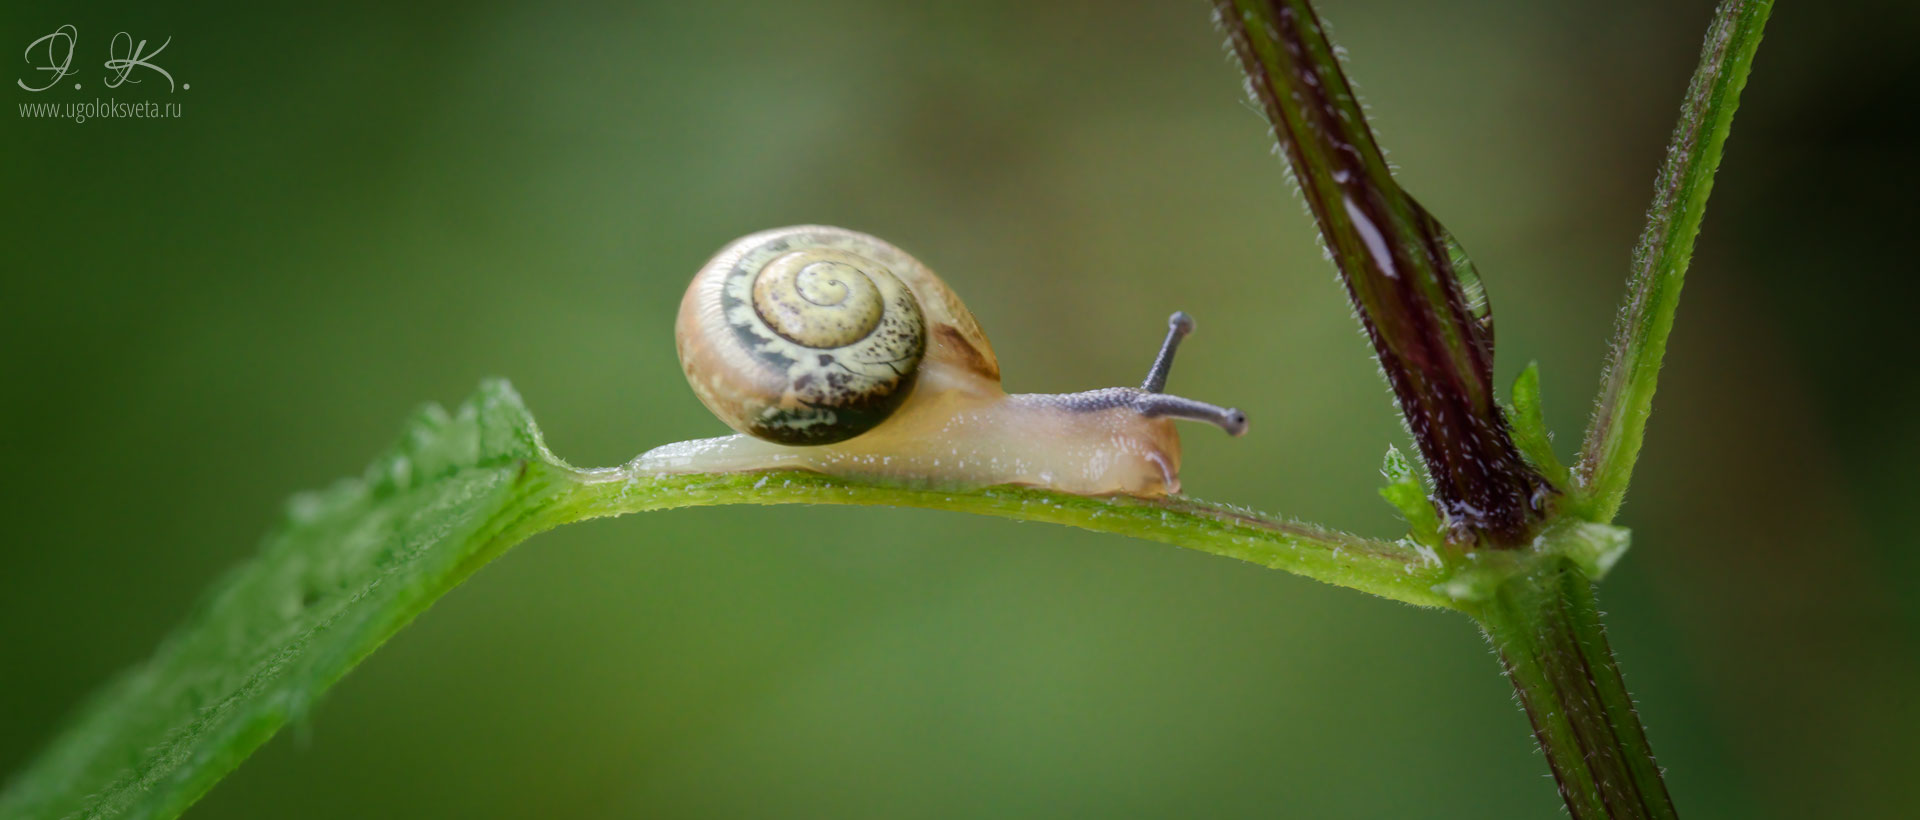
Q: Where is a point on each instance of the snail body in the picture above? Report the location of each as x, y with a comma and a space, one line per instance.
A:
833, 351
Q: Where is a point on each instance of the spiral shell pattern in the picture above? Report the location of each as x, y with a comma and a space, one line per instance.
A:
801, 336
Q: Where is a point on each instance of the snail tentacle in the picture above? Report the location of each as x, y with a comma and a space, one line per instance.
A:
1178, 326
1144, 403
1153, 402
1156, 405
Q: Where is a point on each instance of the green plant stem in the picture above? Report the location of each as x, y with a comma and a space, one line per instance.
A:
1393, 570
1660, 260
1546, 628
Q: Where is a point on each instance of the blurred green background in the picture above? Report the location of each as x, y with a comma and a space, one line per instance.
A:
366, 206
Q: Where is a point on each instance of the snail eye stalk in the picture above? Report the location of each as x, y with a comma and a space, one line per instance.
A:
1153, 405
1151, 402
1178, 326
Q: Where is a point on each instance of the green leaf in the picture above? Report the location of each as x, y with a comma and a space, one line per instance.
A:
346, 569
353, 564
1530, 431
1660, 260
1404, 492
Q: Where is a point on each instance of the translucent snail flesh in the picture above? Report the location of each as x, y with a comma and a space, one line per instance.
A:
833, 351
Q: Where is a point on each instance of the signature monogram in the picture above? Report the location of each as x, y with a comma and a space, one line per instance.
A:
123, 56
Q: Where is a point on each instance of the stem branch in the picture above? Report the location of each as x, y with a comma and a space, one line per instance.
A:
1619, 422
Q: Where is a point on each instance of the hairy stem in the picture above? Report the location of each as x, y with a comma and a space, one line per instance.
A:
1415, 293
1390, 570
1547, 630
1660, 260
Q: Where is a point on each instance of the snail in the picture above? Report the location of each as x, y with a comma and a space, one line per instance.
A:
833, 351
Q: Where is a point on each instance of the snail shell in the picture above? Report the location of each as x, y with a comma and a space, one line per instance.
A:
833, 351
813, 335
